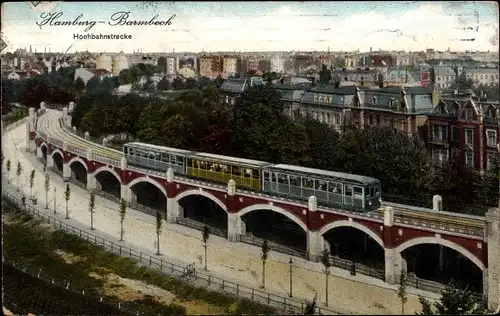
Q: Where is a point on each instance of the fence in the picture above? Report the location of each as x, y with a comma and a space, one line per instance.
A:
199, 226
356, 267
186, 272
255, 241
431, 286
131, 308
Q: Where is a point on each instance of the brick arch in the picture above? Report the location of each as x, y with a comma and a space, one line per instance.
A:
353, 224
80, 160
204, 193
149, 180
276, 209
44, 143
110, 170
57, 150
433, 240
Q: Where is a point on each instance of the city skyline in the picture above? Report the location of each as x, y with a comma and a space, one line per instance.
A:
273, 26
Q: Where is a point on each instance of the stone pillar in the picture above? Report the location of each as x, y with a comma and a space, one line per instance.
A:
86, 135
30, 127
66, 172
172, 205
91, 182
492, 274
315, 245
233, 226
437, 203
50, 161
105, 142
74, 129
42, 106
39, 153
314, 240
71, 107
392, 259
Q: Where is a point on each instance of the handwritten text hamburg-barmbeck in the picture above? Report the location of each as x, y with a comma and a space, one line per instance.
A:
116, 19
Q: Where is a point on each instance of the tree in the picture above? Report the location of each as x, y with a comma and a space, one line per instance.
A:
311, 306
7, 165
32, 181
432, 76
79, 85
190, 83
162, 64
325, 75
159, 224
263, 257
67, 195
205, 234
123, 213
380, 80
19, 171
402, 295
325, 260
47, 188
177, 84
92, 209
164, 84
126, 77
454, 301
3, 157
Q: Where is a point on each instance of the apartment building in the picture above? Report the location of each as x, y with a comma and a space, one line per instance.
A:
482, 76
460, 128
445, 77
230, 66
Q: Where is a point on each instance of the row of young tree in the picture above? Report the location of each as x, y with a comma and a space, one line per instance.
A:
454, 300
257, 128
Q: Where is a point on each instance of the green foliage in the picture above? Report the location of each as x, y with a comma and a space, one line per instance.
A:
264, 251
67, 193
92, 202
324, 258
159, 222
205, 234
123, 209
19, 169
14, 116
454, 301
402, 294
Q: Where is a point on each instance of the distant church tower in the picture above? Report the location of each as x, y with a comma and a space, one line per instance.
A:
31, 51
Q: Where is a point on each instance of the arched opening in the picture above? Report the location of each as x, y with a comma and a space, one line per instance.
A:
442, 264
196, 211
58, 162
43, 148
350, 245
107, 183
78, 173
148, 198
284, 234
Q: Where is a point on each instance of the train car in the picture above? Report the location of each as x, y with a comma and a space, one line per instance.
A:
245, 172
346, 190
154, 157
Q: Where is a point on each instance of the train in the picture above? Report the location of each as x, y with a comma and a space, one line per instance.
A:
335, 189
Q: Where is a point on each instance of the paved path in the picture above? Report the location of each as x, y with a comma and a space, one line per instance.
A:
236, 262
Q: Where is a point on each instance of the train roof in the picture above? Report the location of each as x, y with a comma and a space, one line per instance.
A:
145, 146
230, 160
333, 174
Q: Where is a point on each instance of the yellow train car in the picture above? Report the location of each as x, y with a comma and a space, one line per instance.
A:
245, 172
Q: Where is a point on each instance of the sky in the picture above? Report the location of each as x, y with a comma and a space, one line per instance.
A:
256, 26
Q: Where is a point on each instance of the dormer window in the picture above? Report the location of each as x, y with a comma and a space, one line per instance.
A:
392, 102
468, 114
374, 100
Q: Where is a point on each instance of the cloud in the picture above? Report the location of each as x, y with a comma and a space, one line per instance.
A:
286, 28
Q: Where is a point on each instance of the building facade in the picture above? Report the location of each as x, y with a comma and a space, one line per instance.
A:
445, 77
483, 76
229, 66
464, 130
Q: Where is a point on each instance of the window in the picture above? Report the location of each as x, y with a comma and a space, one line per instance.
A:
469, 159
439, 133
374, 100
440, 154
392, 102
468, 115
455, 135
491, 136
469, 137
337, 119
491, 160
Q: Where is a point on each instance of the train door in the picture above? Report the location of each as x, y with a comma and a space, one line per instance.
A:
348, 194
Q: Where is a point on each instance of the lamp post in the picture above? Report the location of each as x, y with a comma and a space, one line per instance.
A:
54, 200
291, 279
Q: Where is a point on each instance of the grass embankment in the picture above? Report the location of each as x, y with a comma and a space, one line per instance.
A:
65, 257
25, 294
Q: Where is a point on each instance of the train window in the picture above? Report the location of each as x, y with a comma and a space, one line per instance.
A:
179, 160
372, 191
190, 163
295, 181
358, 192
248, 173
211, 166
171, 159
164, 157
267, 176
224, 168
203, 165
236, 171
282, 178
348, 190
334, 187
307, 183
320, 185
131, 151
157, 156
377, 191
256, 174
151, 155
